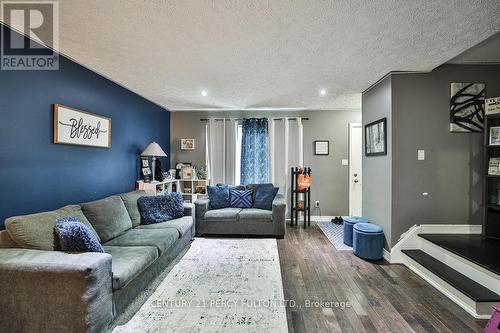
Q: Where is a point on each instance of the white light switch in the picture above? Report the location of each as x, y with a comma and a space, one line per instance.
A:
421, 155
345, 162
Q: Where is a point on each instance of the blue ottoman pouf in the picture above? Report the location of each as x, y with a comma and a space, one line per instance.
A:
349, 222
368, 241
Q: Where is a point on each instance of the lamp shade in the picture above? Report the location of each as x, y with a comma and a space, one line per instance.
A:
153, 149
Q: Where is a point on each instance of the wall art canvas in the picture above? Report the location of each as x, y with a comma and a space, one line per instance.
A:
376, 138
75, 127
467, 107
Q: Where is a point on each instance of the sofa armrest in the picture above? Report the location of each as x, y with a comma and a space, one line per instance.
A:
279, 215
53, 291
190, 210
202, 206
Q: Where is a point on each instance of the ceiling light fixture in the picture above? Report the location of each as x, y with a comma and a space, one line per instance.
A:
204, 93
322, 92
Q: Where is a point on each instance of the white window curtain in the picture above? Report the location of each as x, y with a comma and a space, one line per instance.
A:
221, 150
286, 150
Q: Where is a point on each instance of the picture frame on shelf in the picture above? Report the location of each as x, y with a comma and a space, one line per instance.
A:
494, 136
187, 172
494, 166
492, 106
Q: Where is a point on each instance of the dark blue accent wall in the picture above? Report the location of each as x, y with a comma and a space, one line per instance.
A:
37, 175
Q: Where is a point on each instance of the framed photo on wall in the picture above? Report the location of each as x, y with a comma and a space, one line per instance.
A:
76, 127
187, 144
322, 147
376, 138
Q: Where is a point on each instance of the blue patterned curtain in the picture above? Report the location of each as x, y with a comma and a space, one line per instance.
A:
254, 152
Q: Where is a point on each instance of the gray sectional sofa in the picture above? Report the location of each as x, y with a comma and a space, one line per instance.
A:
238, 221
46, 290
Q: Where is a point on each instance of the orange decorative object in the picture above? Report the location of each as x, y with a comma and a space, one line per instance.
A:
303, 182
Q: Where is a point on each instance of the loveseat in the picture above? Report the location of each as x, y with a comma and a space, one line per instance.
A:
47, 290
242, 221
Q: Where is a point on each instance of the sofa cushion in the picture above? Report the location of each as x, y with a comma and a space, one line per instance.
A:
264, 197
241, 199
219, 196
223, 214
162, 239
129, 261
130, 201
75, 236
182, 225
108, 216
256, 215
36, 231
234, 187
255, 187
161, 208
6, 241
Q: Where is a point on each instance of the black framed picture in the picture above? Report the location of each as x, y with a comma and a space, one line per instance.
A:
321, 147
376, 138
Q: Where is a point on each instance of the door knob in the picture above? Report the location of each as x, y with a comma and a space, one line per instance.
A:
355, 175
355, 180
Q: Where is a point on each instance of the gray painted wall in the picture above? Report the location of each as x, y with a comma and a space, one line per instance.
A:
417, 108
329, 176
377, 170
451, 172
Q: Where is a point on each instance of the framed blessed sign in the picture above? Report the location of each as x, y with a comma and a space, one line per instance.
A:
75, 127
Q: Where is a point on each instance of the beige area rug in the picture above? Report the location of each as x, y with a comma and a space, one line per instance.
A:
219, 285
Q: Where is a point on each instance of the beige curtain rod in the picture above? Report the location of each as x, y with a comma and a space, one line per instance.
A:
221, 119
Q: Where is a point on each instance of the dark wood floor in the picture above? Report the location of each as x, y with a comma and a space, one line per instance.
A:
383, 297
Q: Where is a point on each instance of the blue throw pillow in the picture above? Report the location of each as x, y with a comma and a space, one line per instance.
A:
241, 199
75, 236
218, 196
160, 208
264, 197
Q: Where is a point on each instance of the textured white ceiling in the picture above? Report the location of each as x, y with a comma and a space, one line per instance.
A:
273, 54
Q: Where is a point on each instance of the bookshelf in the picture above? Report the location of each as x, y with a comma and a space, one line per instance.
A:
191, 189
491, 181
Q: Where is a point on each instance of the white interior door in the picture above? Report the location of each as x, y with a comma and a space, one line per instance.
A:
355, 177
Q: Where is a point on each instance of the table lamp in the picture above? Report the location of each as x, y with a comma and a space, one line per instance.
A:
154, 150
